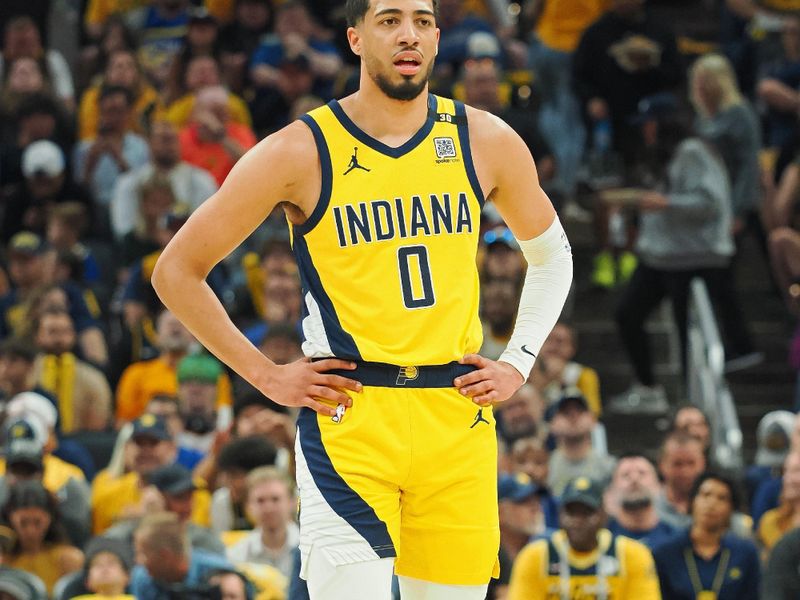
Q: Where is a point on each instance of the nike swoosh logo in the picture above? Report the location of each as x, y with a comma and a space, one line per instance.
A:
526, 351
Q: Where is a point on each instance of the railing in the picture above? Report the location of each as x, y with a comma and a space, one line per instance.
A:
706, 385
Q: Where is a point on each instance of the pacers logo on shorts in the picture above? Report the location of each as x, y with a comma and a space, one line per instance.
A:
407, 374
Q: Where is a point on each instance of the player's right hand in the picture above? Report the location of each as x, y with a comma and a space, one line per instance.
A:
307, 383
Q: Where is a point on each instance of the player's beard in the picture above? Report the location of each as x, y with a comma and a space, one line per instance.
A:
407, 89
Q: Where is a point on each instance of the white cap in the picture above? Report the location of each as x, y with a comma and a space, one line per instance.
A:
42, 157
32, 406
482, 44
774, 435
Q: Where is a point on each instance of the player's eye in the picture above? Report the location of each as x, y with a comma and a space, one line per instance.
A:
390, 21
424, 22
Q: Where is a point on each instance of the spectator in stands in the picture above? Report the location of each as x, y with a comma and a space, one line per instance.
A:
521, 415
683, 233
81, 390
23, 39
681, 461
173, 490
41, 547
113, 149
212, 140
555, 370
499, 298
774, 438
151, 446
162, 26
45, 184
190, 185
144, 380
27, 460
558, 29
198, 381
693, 421
521, 515
240, 39
166, 406
781, 579
502, 258
294, 38
571, 426
24, 80
270, 503
99, 13
121, 70
777, 521
107, 569
16, 368
482, 90
67, 224
706, 560
167, 563
235, 460
456, 24
622, 58
232, 585
202, 39
202, 72
255, 414
109, 37
583, 544
727, 120
530, 455
631, 498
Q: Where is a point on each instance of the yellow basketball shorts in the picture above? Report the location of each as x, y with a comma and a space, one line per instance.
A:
407, 472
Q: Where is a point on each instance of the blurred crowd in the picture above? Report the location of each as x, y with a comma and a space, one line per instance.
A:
137, 465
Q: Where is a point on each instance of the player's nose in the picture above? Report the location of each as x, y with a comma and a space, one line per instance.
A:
407, 33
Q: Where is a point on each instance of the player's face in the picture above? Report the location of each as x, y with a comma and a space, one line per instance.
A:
397, 41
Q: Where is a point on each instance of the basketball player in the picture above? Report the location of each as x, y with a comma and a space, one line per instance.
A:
396, 452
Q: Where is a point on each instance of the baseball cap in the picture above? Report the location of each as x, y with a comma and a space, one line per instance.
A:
199, 367
151, 426
33, 406
172, 479
200, 14
27, 243
500, 235
570, 397
116, 547
583, 491
23, 445
516, 487
42, 158
774, 434
483, 44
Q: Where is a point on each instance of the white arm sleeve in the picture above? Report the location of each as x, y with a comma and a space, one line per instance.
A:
547, 284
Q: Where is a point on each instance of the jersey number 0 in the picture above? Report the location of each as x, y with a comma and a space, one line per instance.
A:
415, 258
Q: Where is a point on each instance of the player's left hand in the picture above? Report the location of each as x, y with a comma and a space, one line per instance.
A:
493, 381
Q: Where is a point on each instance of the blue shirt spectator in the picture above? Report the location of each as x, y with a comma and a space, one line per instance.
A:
651, 537
202, 564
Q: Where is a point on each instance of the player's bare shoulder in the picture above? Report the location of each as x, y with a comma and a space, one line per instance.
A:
497, 150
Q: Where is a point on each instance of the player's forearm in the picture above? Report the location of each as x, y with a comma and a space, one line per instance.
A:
191, 299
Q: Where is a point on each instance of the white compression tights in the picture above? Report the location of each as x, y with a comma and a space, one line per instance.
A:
372, 580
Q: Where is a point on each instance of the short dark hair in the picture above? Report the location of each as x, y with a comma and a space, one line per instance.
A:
111, 90
354, 10
732, 486
16, 347
245, 454
256, 398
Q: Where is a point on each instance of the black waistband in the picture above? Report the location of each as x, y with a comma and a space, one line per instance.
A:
375, 374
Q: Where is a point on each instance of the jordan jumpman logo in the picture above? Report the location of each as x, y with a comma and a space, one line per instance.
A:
354, 162
479, 418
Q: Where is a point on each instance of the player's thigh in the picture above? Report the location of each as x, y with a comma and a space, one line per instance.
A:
368, 580
449, 519
416, 589
347, 474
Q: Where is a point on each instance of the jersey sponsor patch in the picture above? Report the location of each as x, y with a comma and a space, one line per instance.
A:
445, 147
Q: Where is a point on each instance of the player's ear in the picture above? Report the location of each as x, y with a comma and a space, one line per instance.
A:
354, 39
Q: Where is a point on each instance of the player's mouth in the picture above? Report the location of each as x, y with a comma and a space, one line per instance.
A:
408, 63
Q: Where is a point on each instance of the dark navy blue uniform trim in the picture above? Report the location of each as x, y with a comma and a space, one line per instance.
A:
342, 343
463, 136
377, 145
327, 178
340, 496
374, 374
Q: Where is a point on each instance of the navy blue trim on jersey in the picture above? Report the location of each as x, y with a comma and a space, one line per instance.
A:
379, 146
327, 178
340, 497
342, 343
463, 136
375, 374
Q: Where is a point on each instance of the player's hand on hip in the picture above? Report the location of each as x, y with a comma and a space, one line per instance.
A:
307, 383
493, 381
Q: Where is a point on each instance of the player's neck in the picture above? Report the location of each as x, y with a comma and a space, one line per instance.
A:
390, 121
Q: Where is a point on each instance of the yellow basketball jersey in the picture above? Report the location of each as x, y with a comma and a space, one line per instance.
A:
387, 259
